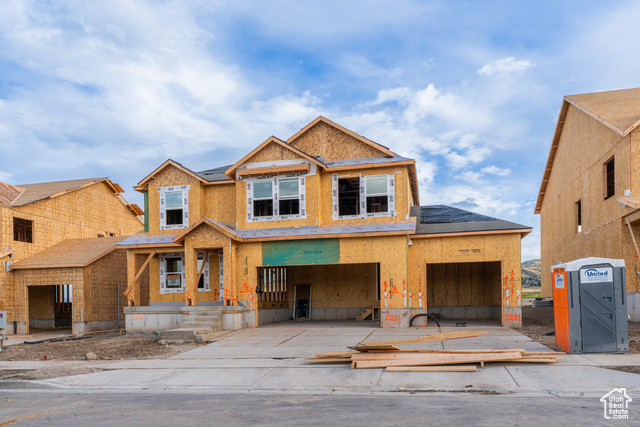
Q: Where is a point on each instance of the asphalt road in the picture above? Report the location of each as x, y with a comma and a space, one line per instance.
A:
55, 408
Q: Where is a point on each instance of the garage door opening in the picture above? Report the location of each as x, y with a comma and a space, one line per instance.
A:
319, 292
470, 290
50, 306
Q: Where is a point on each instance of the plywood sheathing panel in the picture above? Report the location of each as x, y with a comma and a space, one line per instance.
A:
577, 174
41, 302
173, 176
105, 278
333, 144
631, 256
464, 284
273, 152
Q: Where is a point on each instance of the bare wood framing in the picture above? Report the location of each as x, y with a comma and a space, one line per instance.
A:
137, 276
633, 237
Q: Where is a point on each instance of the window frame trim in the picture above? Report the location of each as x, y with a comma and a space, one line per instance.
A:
275, 190
185, 206
391, 204
163, 273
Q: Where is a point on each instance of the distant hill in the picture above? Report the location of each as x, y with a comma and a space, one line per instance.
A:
531, 269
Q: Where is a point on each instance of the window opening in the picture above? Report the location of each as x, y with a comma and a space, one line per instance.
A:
173, 207
376, 189
22, 230
172, 273
579, 216
349, 196
289, 196
610, 179
263, 198
203, 283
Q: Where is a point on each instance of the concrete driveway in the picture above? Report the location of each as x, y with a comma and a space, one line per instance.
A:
271, 358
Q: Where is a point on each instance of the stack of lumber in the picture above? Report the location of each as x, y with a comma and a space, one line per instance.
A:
396, 360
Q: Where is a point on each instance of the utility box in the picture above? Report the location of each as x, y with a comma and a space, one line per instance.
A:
590, 306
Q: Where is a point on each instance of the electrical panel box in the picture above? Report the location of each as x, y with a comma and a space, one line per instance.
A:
590, 306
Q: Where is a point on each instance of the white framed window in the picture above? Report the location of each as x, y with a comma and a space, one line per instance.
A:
363, 197
174, 207
203, 283
270, 199
171, 273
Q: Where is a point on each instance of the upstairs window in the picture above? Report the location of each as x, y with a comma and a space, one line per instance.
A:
377, 192
579, 216
263, 198
363, 197
288, 197
171, 273
349, 196
609, 179
174, 207
22, 230
275, 199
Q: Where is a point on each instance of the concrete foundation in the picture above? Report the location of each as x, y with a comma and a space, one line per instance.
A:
273, 315
152, 319
335, 313
633, 306
478, 312
234, 319
42, 323
400, 317
16, 328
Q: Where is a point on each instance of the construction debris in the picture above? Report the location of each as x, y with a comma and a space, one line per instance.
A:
397, 360
426, 339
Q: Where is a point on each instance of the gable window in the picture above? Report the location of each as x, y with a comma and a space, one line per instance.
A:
276, 199
579, 216
203, 283
171, 273
263, 198
377, 192
174, 207
349, 196
22, 230
609, 179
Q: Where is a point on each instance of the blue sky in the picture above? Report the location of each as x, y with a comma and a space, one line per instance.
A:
470, 89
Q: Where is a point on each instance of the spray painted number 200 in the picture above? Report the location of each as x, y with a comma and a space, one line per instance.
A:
392, 318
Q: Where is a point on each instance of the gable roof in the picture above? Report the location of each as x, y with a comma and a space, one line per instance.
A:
619, 110
360, 138
168, 162
70, 253
442, 219
231, 170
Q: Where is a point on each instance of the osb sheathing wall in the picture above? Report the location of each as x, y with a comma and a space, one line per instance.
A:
332, 144
103, 279
46, 277
86, 212
219, 203
631, 262
273, 152
584, 147
504, 248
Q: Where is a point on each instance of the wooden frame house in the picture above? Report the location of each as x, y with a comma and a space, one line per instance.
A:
589, 200
326, 225
35, 217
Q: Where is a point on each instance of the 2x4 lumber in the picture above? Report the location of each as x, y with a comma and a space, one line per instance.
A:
633, 237
329, 360
439, 359
429, 338
132, 282
449, 368
401, 353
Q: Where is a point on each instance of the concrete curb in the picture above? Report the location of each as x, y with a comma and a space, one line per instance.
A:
25, 385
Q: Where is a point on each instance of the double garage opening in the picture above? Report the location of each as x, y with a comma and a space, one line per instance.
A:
469, 290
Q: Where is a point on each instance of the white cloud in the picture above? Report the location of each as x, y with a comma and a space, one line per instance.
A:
505, 66
494, 170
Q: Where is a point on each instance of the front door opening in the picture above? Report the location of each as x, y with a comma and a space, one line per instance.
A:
302, 298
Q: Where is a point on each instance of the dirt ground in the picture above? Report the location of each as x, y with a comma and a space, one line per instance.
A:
105, 346
537, 323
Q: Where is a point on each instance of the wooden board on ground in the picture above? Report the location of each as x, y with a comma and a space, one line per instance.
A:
440, 368
438, 359
374, 347
426, 339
